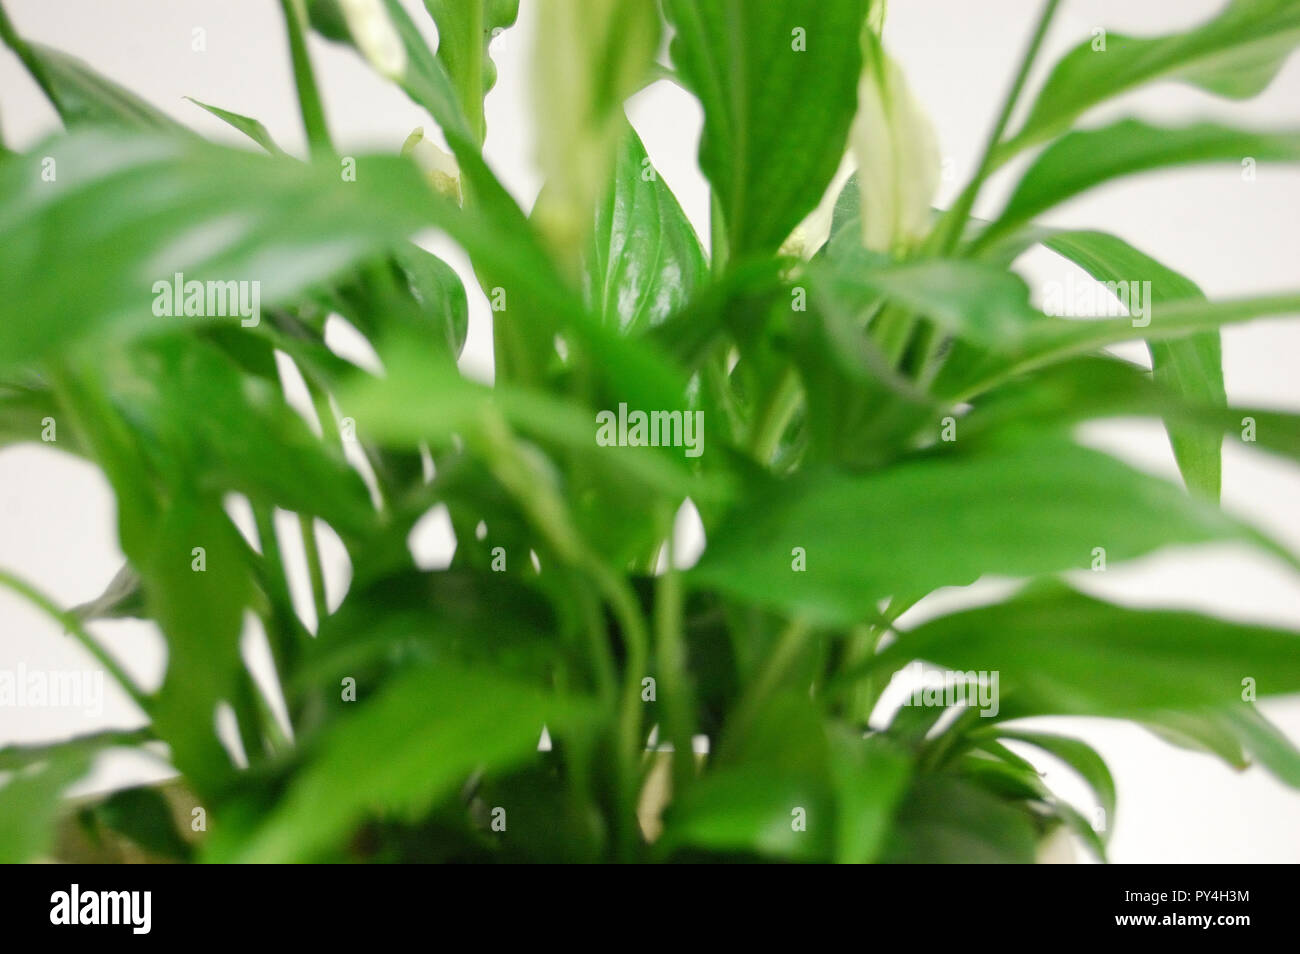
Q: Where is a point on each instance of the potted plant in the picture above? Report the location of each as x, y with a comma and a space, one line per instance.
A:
850, 398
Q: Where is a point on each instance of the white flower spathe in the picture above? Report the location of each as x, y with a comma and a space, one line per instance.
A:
897, 152
375, 36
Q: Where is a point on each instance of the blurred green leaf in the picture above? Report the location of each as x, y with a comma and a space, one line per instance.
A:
1191, 366
1080, 160
1236, 54
1020, 510
1076, 655
80, 95
1080, 757
870, 778
971, 371
465, 29
411, 745
943, 820
29, 805
144, 816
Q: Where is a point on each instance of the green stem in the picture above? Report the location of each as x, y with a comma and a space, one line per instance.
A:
950, 228
678, 705
72, 625
790, 644
775, 416
717, 236
314, 571
309, 102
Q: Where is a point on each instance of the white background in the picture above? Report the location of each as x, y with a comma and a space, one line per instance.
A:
1232, 236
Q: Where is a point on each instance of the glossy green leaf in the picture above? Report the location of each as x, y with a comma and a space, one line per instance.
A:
131, 213
643, 261
778, 81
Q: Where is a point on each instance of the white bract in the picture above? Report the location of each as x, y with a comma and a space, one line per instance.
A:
897, 153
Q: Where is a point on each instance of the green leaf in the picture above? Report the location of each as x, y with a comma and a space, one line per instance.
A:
200, 613
1068, 499
944, 820
589, 56
778, 82
144, 816
870, 777
29, 805
80, 95
1191, 367
1075, 655
1235, 55
1080, 757
465, 28
770, 794
1265, 742
969, 371
166, 206
413, 744
309, 102
1204, 731
251, 128
986, 305
643, 261
1081, 160
223, 431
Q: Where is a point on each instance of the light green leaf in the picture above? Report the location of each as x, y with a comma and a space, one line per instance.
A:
859, 549
251, 128
1080, 757
80, 95
29, 805
869, 777
1191, 367
1075, 655
1265, 742
1236, 55
1081, 160
778, 81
